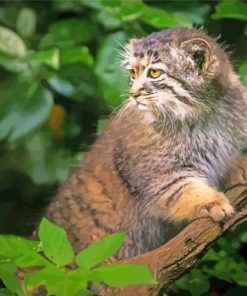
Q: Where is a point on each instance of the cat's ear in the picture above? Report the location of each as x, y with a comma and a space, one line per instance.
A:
199, 49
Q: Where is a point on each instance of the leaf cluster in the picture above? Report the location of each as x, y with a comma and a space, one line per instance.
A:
50, 263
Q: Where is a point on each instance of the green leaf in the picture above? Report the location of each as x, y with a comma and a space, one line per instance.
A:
14, 64
6, 292
243, 73
61, 6
196, 12
211, 255
96, 4
11, 43
101, 125
24, 107
56, 281
36, 161
47, 276
162, 19
68, 33
240, 277
21, 251
108, 19
113, 4
131, 10
195, 282
99, 251
26, 22
122, 274
112, 80
62, 86
49, 57
231, 9
68, 89
55, 243
77, 55
7, 275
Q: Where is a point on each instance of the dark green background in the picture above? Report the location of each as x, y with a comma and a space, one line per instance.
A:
60, 79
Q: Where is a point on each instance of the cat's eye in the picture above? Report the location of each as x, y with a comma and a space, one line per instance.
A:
154, 73
132, 74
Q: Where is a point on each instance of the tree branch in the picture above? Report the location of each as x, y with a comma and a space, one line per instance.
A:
177, 256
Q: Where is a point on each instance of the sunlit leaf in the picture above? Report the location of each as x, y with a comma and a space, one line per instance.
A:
56, 281
26, 22
14, 64
21, 251
7, 275
122, 274
49, 275
49, 57
11, 43
99, 251
55, 243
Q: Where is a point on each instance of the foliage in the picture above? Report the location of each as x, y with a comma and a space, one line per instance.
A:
49, 260
224, 262
60, 79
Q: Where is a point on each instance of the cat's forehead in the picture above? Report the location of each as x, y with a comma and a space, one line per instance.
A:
163, 46
141, 53
149, 50
142, 59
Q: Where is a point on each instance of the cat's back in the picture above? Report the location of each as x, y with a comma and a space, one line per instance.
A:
96, 200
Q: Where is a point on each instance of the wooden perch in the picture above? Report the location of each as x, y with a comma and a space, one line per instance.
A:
181, 253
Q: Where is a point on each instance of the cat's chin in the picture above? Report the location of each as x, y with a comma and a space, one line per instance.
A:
141, 106
149, 117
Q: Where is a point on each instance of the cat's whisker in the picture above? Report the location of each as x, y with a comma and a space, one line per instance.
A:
124, 109
124, 95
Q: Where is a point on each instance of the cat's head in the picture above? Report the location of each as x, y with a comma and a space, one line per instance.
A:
175, 72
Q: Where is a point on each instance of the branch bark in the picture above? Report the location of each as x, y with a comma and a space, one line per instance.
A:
177, 256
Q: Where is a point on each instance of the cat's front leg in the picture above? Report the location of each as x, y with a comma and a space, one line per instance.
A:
195, 199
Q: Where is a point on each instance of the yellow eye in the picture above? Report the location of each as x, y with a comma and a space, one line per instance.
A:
132, 74
153, 73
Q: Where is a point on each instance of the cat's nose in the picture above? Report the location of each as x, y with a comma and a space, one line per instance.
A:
135, 93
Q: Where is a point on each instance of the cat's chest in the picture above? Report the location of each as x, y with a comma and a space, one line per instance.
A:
205, 151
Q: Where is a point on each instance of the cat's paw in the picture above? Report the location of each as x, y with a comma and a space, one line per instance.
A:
200, 200
218, 209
